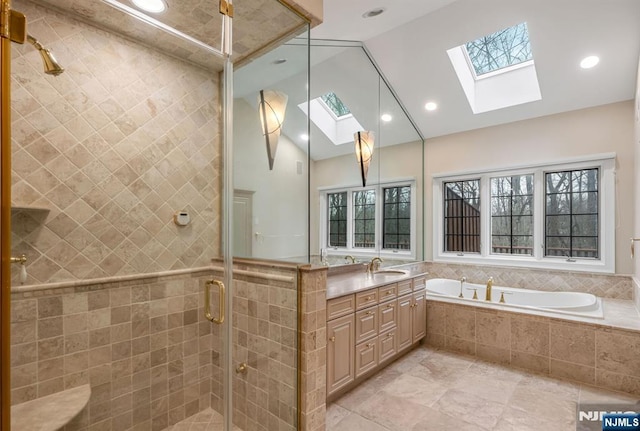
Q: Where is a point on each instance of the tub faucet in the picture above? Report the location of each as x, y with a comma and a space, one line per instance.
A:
487, 296
374, 265
462, 280
351, 258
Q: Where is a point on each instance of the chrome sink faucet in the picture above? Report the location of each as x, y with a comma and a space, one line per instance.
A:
374, 265
487, 296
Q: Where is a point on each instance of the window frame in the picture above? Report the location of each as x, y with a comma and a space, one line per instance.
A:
379, 208
606, 210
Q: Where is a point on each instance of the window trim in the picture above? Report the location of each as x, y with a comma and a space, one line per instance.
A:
606, 206
377, 250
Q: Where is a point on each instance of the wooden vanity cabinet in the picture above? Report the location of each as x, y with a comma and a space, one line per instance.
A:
340, 352
370, 328
419, 316
405, 307
412, 318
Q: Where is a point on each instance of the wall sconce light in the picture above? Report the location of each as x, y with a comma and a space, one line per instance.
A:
364, 151
272, 106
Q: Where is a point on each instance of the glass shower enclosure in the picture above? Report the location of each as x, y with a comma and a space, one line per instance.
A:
118, 190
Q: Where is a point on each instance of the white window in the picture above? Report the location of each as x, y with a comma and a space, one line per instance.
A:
372, 220
558, 215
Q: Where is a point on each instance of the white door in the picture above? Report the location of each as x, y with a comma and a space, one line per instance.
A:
242, 223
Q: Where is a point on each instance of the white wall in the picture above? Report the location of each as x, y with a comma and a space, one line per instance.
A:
280, 198
389, 163
636, 231
602, 129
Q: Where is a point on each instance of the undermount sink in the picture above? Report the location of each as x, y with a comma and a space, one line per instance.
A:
390, 272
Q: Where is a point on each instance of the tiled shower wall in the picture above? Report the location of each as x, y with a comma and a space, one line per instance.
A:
264, 323
143, 346
602, 285
107, 152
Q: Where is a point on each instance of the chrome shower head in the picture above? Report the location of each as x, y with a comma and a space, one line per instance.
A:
51, 65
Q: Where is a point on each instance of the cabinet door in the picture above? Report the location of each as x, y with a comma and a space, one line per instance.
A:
387, 342
340, 353
366, 356
419, 312
404, 322
366, 324
388, 315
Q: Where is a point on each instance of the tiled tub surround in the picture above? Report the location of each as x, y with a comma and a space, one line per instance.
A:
143, 345
111, 148
596, 354
602, 285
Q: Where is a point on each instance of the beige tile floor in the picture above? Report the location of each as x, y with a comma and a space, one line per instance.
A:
206, 420
430, 389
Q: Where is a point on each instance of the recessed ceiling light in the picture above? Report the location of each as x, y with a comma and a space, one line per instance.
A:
280, 61
153, 6
589, 62
373, 12
386, 118
431, 106
304, 137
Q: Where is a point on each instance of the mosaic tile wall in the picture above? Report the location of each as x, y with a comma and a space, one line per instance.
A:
265, 338
110, 150
603, 285
588, 353
144, 347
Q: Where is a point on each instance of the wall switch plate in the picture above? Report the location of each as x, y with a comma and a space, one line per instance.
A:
181, 218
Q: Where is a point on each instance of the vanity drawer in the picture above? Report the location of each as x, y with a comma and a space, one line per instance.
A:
366, 356
366, 299
388, 313
404, 287
387, 292
341, 306
419, 283
366, 324
387, 341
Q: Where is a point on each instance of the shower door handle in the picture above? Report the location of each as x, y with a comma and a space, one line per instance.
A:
207, 301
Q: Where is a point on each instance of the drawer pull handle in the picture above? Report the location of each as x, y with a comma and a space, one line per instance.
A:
389, 306
368, 298
389, 292
370, 313
390, 334
369, 345
333, 339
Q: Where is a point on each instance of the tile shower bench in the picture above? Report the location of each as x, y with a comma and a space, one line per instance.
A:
50, 413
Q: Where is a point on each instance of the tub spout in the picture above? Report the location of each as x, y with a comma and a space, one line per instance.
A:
487, 296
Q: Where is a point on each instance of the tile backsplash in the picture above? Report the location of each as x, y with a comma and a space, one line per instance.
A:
107, 152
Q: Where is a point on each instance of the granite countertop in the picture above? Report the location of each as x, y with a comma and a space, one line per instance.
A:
356, 281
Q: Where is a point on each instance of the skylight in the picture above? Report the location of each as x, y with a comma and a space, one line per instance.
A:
498, 70
501, 49
333, 117
334, 103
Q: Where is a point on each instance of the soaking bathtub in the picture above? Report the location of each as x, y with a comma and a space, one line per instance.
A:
573, 303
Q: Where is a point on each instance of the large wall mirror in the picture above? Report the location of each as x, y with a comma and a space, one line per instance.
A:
313, 206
